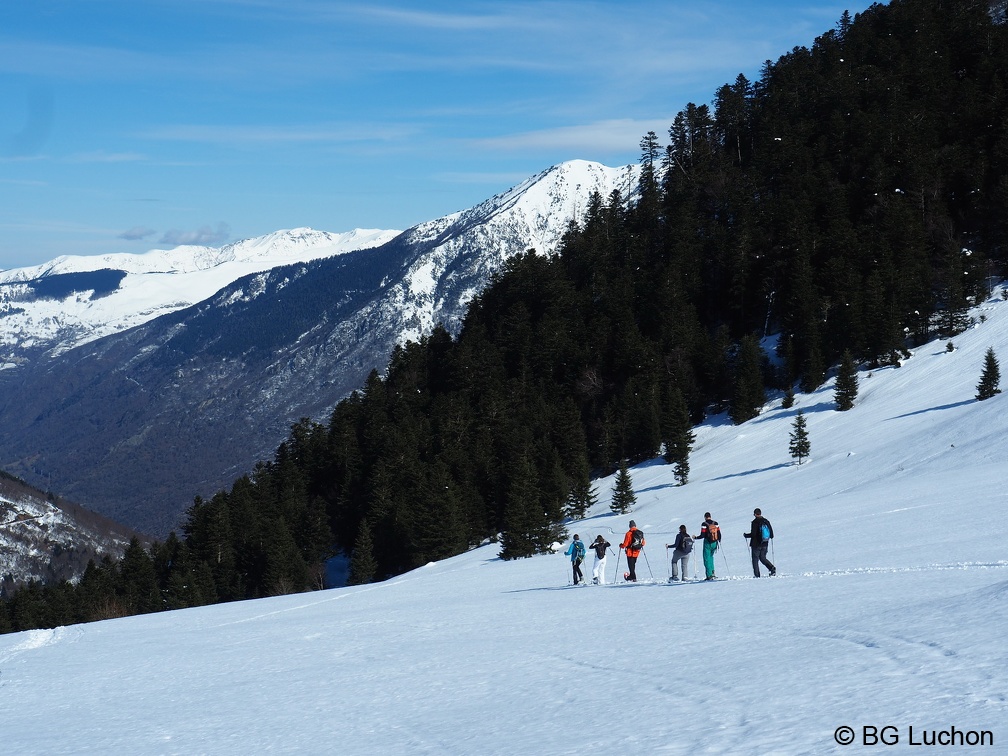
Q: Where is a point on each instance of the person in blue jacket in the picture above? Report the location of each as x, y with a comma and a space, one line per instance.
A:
576, 551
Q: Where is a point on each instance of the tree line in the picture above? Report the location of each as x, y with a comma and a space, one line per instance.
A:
850, 200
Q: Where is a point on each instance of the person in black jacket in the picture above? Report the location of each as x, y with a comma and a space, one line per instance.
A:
600, 545
681, 550
759, 535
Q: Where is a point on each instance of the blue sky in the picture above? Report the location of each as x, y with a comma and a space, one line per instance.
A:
129, 125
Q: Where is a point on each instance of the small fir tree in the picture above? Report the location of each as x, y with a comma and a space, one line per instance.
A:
846, 383
800, 446
679, 437
623, 498
748, 394
581, 498
990, 378
362, 564
788, 401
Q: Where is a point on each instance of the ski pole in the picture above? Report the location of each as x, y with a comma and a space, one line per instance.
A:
668, 565
725, 561
647, 562
616, 575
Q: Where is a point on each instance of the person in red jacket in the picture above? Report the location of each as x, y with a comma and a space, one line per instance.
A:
633, 543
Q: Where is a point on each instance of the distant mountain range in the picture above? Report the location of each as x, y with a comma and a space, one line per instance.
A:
133, 383
48, 309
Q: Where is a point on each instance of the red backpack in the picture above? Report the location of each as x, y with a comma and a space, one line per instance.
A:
713, 532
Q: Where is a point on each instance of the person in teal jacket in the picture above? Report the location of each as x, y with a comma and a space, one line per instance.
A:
576, 551
711, 534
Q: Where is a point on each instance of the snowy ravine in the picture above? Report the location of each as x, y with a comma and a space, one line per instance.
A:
888, 610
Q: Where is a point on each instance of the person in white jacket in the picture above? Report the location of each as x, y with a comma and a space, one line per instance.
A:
600, 545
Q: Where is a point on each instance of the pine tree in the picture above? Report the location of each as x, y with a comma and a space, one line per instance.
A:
800, 446
362, 563
788, 401
679, 437
623, 498
748, 394
846, 383
521, 511
582, 497
990, 378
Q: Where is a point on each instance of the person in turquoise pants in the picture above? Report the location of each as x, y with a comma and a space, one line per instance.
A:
711, 535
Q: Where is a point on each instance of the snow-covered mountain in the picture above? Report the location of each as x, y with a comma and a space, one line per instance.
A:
50, 540
50, 308
136, 423
886, 617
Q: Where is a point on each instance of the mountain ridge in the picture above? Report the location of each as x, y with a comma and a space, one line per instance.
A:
196, 395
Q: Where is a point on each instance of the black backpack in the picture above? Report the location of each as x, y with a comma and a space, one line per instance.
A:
687, 543
637, 540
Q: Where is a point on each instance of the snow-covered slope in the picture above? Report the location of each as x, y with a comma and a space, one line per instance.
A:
889, 610
466, 248
158, 282
46, 539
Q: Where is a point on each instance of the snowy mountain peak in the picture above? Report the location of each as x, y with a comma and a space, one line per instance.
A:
277, 248
35, 320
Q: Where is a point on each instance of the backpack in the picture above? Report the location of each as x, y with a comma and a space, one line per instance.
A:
713, 533
579, 549
687, 543
765, 531
637, 540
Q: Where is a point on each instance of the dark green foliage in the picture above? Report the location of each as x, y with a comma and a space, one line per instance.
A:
623, 497
748, 394
990, 378
363, 566
846, 383
679, 436
800, 446
789, 398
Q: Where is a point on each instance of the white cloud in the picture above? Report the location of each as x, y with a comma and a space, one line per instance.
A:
203, 236
610, 135
242, 134
136, 233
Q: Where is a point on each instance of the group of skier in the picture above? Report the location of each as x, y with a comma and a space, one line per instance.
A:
759, 535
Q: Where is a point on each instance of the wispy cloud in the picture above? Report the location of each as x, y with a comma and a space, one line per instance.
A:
609, 135
242, 134
100, 156
204, 236
136, 233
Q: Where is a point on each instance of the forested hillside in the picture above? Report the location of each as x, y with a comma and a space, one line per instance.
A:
851, 199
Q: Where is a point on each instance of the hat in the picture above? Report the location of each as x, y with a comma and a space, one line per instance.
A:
706, 514
757, 511
633, 524
575, 536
